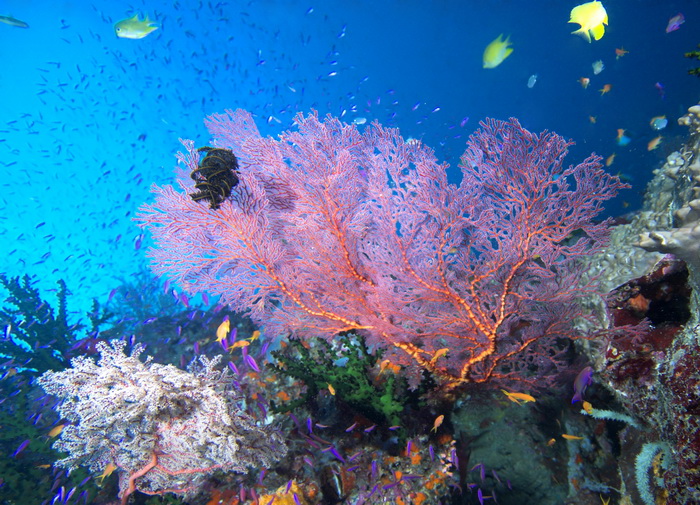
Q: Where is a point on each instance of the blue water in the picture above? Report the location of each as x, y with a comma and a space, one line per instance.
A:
88, 120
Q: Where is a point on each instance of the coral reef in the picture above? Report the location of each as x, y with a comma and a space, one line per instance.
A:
350, 382
162, 429
683, 239
331, 230
649, 357
37, 335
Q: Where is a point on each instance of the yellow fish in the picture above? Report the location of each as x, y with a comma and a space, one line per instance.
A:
654, 143
438, 354
133, 28
497, 51
438, 421
518, 397
331, 389
571, 437
107, 472
56, 430
591, 16
223, 330
239, 343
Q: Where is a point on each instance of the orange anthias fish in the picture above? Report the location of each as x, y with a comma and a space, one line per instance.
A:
605, 89
654, 143
619, 53
438, 421
239, 343
610, 159
438, 354
585, 81
56, 430
107, 472
223, 330
388, 365
518, 397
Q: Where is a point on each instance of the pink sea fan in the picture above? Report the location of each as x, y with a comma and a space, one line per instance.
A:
331, 230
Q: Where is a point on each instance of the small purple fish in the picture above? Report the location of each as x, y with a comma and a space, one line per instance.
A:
454, 459
69, 495
675, 23
356, 455
583, 380
251, 362
21, 447
335, 453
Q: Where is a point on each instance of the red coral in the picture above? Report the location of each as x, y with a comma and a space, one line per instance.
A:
333, 230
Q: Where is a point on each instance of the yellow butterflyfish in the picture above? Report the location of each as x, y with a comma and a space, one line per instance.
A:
591, 16
497, 51
134, 28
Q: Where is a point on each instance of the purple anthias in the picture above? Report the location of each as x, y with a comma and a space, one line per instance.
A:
583, 380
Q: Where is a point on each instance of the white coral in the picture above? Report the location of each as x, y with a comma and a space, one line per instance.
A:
124, 411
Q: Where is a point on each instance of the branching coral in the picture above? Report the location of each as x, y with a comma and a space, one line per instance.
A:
164, 429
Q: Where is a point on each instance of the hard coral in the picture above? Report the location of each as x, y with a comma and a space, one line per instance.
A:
683, 240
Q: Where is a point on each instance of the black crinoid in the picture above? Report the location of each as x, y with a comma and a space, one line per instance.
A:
215, 177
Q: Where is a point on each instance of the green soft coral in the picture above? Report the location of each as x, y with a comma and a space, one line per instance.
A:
316, 367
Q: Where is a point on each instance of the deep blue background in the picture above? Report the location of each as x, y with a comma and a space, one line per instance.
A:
88, 121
